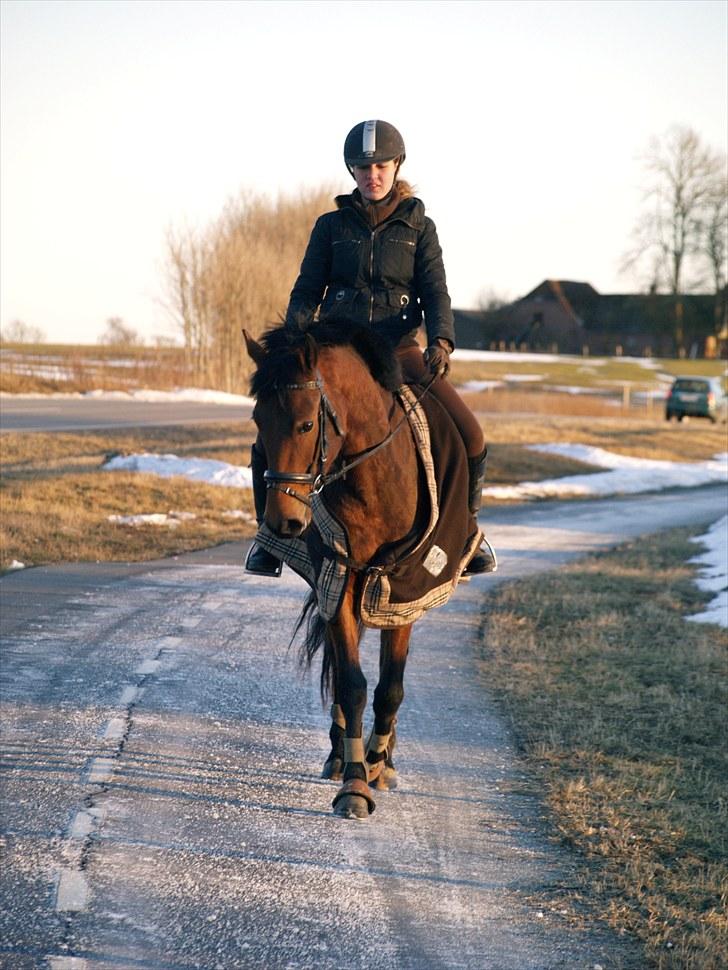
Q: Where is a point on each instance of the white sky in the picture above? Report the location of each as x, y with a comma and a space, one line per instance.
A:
523, 123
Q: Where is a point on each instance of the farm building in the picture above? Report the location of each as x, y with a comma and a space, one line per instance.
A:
566, 316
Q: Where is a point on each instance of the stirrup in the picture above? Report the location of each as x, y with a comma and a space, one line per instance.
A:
260, 562
484, 560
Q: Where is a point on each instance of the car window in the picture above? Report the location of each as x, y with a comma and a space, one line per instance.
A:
702, 387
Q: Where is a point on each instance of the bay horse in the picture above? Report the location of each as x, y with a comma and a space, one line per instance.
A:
328, 418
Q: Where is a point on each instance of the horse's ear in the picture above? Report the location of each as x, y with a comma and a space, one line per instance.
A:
310, 352
254, 349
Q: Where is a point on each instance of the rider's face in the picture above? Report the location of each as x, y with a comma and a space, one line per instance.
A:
375, 181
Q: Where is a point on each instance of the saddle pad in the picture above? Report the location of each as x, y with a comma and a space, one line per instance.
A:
426, 576
413, 579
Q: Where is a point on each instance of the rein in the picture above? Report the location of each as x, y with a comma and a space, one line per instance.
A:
320, 480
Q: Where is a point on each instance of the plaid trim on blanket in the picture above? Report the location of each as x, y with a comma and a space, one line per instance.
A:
329, 580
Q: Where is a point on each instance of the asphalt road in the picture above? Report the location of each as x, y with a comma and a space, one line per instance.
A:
82, 414
161, 802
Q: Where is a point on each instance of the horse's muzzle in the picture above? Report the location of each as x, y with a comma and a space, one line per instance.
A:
286, 528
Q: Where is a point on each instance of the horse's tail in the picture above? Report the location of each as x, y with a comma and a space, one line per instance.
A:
314, 638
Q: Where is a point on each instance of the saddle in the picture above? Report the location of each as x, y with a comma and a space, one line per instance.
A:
405, 579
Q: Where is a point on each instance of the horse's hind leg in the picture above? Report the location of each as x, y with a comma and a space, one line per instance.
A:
388, 697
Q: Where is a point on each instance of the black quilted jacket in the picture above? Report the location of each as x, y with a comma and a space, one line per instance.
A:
385, 277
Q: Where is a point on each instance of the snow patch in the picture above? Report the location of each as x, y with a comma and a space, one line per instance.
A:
713, 576
473, 387
171, 519
626, 475
182, 394
196, 469
238, 514
186, 394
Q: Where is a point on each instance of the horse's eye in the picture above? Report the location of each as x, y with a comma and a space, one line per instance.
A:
305, 427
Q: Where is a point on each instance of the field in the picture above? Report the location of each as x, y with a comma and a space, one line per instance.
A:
45, 368
619, 705
70, 368
56, 499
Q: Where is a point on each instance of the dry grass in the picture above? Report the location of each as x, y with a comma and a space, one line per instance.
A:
535, 401
591, 372
620, 707
55, 500
695, 441
56, 519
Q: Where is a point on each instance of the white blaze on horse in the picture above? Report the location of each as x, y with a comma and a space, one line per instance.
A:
357, 504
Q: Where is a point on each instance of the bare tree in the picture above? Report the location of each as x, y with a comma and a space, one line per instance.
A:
668, 238
490, 299
237, 274
715, 245
120, 334
17, 332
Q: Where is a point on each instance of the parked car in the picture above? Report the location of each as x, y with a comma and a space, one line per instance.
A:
697, 397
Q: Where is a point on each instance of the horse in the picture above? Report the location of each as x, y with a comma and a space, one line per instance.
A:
328, 418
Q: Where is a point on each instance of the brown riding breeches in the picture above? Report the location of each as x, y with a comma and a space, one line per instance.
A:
415, 369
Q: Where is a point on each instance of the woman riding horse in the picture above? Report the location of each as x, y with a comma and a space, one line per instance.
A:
377, 261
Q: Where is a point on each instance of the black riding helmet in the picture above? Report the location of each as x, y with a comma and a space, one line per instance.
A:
370, 142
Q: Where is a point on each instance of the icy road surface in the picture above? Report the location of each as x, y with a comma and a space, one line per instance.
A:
161, 802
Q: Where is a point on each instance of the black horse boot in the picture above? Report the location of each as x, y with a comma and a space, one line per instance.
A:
259, 560
484, 560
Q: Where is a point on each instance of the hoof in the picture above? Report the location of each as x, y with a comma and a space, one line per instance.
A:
353, 800
352, 806
386, 780
333, 769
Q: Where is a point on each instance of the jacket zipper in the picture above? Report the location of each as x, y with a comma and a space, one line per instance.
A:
371, 278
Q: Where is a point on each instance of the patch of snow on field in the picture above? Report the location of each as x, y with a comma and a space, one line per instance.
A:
171, 519
713, 576
199, 394
186, 394
625, 475
196, 469
473, 387
507, 356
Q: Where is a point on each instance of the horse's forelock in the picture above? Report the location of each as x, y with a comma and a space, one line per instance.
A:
282, 363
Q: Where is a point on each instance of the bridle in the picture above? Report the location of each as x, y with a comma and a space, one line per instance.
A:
319, 479
316, 479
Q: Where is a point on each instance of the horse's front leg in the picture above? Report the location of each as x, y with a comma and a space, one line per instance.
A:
388, 697
334, 765
353, 800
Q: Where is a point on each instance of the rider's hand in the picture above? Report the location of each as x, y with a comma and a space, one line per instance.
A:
437, 357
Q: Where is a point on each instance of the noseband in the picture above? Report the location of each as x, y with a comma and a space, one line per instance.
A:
316, 479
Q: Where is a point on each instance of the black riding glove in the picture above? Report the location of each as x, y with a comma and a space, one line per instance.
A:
437, 358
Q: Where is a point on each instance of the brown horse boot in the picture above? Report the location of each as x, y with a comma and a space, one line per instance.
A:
484, 560
259, 560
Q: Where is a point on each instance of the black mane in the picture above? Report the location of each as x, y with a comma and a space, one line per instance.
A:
282, 364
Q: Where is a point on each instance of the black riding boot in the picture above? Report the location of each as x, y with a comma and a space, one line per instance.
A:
484, 560
259, 560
